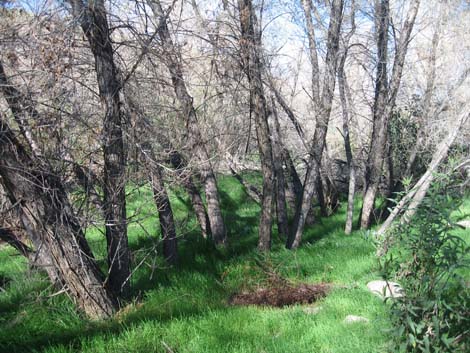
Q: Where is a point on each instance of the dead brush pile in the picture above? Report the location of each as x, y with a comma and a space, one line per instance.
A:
280, 296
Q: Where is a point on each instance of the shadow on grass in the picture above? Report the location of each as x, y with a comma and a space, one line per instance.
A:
165, 293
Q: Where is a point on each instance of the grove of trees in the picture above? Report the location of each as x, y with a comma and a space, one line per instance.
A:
330, 100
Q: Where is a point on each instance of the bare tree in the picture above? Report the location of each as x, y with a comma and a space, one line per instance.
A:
173, 62
92, 19
250, 42
323, 104
385, 97
48, 218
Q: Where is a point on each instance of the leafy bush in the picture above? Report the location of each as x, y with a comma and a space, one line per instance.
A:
430, 260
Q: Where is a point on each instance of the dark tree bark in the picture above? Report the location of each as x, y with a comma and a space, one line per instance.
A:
48, 219
173, 62
250, 42
280, 183
14, 241
323, 104
294, 185
165, 212
179, 164
385, 97
92, 18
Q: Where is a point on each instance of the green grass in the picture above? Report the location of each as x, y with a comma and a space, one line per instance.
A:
184, 309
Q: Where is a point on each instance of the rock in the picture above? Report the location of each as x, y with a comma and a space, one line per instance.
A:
312, 310
386, 289
351, 319
464, 224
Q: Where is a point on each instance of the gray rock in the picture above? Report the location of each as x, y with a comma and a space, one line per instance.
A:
386, 289
312, 310
464, 224
351, 319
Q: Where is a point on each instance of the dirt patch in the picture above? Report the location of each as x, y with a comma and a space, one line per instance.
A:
282, 295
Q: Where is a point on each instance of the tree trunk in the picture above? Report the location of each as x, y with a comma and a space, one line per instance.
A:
280, 184
251, 47
173, 62
379, 131
323, 108
294, 185
24, 110
385, 97
14, 241
251, 190
165, 215
162, 202
92, 18
47, 217
178, 163
345, 98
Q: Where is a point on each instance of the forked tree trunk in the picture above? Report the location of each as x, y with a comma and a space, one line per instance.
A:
251, 47
173, 62
384, 102
323, 102
92, 18
47, 215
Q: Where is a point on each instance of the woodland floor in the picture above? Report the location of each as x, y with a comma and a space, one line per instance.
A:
190, 308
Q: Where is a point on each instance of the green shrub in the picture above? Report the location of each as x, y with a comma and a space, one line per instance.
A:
429, 260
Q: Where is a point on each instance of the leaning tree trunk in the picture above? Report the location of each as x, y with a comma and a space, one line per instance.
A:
411, 201
162, 202
178, 163
173, 62
47, 215
165, 215
250, 47
145, 153
92, 18
24, 111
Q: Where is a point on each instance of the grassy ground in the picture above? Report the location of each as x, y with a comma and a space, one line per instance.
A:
185, 309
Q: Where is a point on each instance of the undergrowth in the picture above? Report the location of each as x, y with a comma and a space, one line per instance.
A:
431, 260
